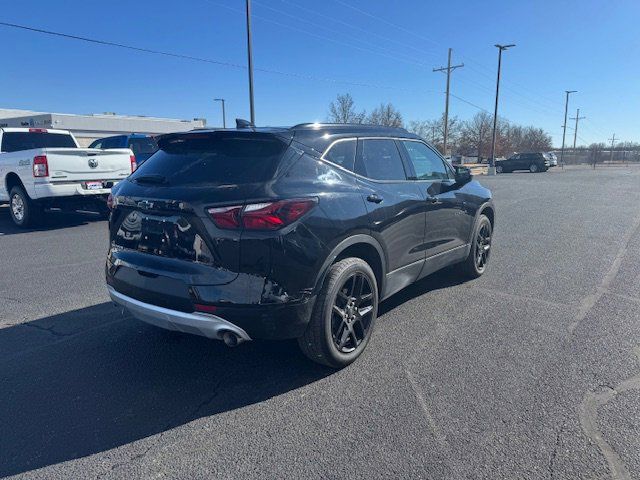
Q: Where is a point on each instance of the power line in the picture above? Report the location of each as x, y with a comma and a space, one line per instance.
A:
469, 103
317, 35
193, 58
353, 37
356, 27
400, 27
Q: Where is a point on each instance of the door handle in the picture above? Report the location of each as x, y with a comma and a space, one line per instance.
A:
373, 198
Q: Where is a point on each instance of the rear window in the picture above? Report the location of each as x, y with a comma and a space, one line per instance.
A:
143, 146
16, 141
214, 159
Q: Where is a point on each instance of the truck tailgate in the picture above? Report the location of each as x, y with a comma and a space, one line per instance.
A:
87, 164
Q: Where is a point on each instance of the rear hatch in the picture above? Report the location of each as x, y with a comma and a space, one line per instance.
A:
160, 222
87, 164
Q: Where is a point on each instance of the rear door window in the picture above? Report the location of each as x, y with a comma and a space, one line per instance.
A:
16, 141
216, 159
379, 159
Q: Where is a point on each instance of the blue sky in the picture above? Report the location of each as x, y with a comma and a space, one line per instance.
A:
386, 47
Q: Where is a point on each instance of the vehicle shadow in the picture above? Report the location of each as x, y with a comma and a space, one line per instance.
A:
86, 381
447, 277
93, 379
50, 221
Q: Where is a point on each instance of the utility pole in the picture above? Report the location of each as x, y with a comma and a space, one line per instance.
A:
449, 68
613, 140
224, 116
564, 127
575, 132
250, 63
492, 161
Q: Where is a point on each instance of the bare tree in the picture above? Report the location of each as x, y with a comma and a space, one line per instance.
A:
433, 131
476, 135
342, 110
387, 115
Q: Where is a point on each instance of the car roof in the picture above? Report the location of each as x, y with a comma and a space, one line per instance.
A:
317, 136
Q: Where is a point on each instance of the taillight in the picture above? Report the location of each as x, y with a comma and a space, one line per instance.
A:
40, 166
134, 164
110, 202
226, 217
261, 216
38, 130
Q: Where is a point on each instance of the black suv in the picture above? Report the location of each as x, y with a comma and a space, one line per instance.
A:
534, 162
274, 233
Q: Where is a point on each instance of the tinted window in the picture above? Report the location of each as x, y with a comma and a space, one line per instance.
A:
427, 164
342, 153
113, 142
143, 146
215, 159
16, 141
96, 144
379, 159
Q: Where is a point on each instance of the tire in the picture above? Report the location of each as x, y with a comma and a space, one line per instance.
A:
499, 169
24, 212
533, 168
471, 267
336, 320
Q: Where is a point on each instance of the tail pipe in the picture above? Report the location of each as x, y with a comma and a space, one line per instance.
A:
231, 339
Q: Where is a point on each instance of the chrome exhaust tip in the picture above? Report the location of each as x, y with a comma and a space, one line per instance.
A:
231, 339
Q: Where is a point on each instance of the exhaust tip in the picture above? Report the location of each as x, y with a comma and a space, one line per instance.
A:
230, 339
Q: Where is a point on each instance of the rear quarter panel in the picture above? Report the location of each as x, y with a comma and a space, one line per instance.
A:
298, 253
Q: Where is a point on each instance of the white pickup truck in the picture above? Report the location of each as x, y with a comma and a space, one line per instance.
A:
44, 168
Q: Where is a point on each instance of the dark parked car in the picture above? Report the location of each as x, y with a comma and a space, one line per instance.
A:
534, 162
290, 232
143, 146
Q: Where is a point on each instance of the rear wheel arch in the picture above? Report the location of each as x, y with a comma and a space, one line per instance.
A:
360, 246
13, 180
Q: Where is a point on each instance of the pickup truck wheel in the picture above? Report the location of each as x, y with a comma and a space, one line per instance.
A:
343, 316
476, 262
499, 169
24, 212
533, 168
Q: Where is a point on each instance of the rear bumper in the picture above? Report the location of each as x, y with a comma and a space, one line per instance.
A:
202, 324
69, 189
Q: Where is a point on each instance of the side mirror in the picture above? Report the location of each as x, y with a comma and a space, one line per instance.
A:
463, 175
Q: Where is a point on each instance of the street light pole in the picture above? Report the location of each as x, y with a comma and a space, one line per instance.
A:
492, 161
250, 63
224, 116
564, 128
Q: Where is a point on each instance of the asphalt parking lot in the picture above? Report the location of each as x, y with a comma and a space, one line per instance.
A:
532, 371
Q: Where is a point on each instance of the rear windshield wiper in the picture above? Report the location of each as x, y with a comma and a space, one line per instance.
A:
151, 178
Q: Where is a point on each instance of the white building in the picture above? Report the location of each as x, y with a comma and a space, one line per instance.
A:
87, 128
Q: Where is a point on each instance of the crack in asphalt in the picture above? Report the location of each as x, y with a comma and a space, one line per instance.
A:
591, 300
47, 329
554, 452
589, 420
168, 425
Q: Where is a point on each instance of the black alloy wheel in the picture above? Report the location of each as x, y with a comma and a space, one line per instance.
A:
344, 314
483, 246
352, 313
